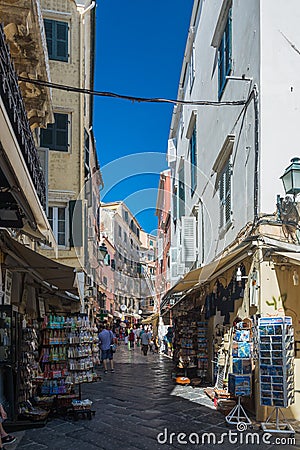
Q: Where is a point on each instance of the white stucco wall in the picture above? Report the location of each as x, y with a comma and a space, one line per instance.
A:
214, 123
259, 52
280, 94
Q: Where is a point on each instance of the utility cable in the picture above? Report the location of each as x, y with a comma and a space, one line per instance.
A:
128, 97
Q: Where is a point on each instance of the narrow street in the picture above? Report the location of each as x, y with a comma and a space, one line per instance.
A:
133, 405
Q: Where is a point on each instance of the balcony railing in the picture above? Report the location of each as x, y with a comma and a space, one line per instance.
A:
13, 101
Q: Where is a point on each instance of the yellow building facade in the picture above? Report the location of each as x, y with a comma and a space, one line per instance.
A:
72, 164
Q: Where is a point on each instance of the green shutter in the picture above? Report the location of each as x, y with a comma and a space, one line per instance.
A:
221, 191
49, 36
75, 223
61, 41
61, 132
228, 193
57, 39
89, 192
46, 136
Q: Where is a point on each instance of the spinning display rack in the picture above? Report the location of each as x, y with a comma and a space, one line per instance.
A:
276, 369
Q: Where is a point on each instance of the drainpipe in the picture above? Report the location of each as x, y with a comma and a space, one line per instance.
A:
256, 149
91, 6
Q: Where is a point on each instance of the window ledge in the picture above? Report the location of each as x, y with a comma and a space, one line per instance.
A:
224, 153
218, 33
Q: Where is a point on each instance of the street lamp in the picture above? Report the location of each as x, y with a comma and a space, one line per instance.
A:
291, 178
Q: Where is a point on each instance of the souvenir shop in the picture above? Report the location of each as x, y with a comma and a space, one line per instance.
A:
237, 332
47, 347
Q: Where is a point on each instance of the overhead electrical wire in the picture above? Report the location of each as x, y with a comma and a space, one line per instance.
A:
128, 97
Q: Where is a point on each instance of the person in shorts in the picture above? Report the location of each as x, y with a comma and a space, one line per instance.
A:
5, 439
106, 338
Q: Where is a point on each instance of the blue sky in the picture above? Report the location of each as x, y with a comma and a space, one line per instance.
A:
139, 52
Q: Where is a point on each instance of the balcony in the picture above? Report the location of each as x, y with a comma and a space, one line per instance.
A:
12, 100
25, 35
21, 175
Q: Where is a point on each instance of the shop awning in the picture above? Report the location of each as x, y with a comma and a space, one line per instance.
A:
205, 273
150, 319
50, 271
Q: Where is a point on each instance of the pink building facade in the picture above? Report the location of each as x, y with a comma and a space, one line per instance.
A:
163, 212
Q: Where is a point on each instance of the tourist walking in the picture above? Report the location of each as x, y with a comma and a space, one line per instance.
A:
126, 336
145, 339
131, 338
106, 339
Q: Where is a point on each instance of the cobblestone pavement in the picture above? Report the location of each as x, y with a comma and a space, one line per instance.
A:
136, 405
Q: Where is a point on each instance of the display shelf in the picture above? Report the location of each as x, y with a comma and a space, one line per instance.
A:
276, 361
68, 353
191, 343
28, 364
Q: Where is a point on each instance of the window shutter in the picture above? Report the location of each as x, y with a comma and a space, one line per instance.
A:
181, 192
188, 239
46, 136
61, 41
57, 39
228, 194
75, 223
159, 249
88, 192
174, 202
193, 158
171, 150
61, 132
180, 269
173, 262
107, 260
221, 192
49, 36
228, 50
55, 136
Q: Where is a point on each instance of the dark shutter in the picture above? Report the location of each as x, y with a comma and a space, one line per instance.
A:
61, 41
49, 36
221, 191
55, 136
89, 192
75, 223
228, 193
61, 128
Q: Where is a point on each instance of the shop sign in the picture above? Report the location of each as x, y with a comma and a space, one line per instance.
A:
42, 307
8, 287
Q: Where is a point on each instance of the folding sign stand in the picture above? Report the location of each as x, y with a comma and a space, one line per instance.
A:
238, 415
277, 426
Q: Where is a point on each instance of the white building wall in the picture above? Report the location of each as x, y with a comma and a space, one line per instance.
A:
280, 94
215, 123
263, 57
